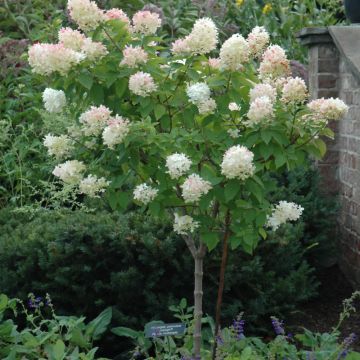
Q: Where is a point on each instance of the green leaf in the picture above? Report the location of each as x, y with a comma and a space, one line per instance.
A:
263, 233
126, 332
97, 94
210, 239
3, 302
231, 189
120, 87
159, 111
86, 80
99, 325
320, 144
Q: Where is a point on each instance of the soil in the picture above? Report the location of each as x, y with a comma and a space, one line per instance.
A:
322, 313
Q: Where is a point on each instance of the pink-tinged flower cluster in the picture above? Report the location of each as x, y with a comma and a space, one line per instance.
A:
93, 50
142, 84
146, 22
202, 39
258, 40
46, 59
93, 186
194, 187
328, 109
274, 63
260, 90
185, 224
134, 56
238, 163
234, 53
86, 14
71, 39
115, 13
116, 131
214, 63
95, 119
145, 193
260, 109
294, 91
284, 211
70, 171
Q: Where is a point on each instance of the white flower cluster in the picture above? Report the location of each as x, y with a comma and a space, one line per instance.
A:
260, 109
133, 56
274, 63
199, 95
258, 39
185, 224
70, 171
328, 109
261, 90
238, 163
54, 100
46, 59
116, 131
142, 84
194, 187
234, 133
95, 119
178, 165
75, 40
146, 22
86, 14
202, 39
234, 53
284, 211
93, 186
234, 107
145, 193
294, 91
58, 146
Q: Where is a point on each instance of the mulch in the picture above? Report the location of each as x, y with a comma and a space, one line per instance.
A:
322, 313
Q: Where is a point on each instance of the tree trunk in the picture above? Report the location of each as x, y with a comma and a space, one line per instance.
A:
221, 281
198, 296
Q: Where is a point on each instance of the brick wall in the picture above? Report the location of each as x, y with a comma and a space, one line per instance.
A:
332, 75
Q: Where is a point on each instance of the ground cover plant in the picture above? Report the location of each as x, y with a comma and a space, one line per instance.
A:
178, 130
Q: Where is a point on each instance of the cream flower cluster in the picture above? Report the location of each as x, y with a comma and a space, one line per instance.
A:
54, 100
95, 119
294, 91
234, 53
185, 224
238, 163
202, 39
199, 95
234, 107
115, 13
261, 90
116, 131
71, 39
194, 187
328, 109
58, 146
46, 59
258, 39
146, 22
86, 14
284, 211
75, 40
274, 64
70, 171
142, 84
93, 186
133, 56
145, 193
177, 165
261, 108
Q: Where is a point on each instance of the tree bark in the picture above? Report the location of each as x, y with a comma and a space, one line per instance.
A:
198, 298
221, 281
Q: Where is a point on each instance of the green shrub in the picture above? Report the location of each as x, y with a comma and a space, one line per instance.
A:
135, 264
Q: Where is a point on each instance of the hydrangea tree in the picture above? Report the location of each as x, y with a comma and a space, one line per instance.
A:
179, 131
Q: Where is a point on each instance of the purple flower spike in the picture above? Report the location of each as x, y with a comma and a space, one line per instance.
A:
278, 326
238, 326
346, 346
